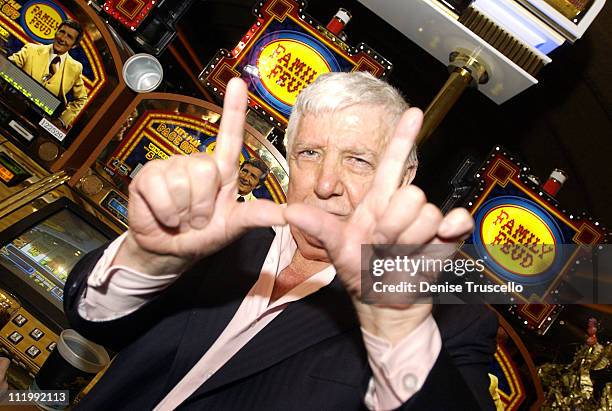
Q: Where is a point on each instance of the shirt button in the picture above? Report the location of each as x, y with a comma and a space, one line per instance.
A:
410, 382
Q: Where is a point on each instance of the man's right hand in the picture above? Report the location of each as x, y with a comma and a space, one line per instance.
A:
184, 208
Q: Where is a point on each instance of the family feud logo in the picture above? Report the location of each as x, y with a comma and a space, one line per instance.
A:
281, 54
524, 237
41, 19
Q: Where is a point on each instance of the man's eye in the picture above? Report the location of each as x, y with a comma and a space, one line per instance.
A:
360, 161
308, 153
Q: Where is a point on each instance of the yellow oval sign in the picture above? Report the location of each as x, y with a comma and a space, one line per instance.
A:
518, 240
42, 20
287, 66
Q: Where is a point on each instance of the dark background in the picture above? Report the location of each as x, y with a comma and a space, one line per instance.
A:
562, 122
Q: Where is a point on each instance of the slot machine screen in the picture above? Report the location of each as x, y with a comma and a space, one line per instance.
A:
40, 96
38, 252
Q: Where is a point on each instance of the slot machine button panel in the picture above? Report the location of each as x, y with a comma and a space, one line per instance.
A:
15, 337
36, 334
33, 351
20, 320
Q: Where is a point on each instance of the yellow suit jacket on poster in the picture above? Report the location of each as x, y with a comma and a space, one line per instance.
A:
34, 60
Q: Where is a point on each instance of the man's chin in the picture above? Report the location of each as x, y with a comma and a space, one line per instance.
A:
310, 247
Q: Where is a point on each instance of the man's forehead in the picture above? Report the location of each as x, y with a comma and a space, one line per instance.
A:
354, 128
69, 30
251, 168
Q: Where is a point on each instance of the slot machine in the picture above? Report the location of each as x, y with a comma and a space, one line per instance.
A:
282, 52
41, 240
53, 107
525, 236
48, 225
49, 107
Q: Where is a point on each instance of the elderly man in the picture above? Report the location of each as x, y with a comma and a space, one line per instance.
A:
54, 68
209, 308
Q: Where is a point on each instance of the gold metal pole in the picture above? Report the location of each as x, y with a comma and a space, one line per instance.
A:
465, 71
39, 188
446, 98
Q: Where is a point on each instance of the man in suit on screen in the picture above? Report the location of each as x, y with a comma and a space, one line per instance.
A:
54, 68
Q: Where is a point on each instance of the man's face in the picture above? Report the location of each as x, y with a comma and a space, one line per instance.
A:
65, 38
248, 178
332, 163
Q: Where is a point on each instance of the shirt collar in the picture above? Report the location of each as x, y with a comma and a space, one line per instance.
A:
52, 55
281, 251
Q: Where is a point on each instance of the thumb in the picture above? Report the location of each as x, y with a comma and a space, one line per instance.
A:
254, 214
316, 223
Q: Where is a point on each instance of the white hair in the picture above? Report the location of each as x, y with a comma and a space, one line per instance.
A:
332, 92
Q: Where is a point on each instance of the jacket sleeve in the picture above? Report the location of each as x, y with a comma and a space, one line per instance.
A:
470, 341
79, 98
445, 389
20, 57
116, 334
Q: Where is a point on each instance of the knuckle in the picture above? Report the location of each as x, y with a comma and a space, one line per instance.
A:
202, 211
432, 212
417, 195
203, 168
177, 183
463, 218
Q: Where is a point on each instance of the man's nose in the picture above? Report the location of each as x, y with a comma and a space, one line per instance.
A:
329, 179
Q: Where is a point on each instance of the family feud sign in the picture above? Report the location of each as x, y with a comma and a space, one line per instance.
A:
524, 237
283, 52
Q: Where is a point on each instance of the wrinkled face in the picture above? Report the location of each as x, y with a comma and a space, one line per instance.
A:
248, 178
65, 38
332, 163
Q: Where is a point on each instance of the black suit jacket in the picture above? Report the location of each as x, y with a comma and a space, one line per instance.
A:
310, 357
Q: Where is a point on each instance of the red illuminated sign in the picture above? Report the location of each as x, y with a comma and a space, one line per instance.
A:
130, 13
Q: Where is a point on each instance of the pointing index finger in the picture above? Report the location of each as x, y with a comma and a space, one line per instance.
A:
392, 165
231, 130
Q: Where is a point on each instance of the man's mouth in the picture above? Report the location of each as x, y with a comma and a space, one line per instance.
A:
337, 213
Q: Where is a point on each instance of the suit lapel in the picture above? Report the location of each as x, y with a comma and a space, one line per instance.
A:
322, 315
218, 299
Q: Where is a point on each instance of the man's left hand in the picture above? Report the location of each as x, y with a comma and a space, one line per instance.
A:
390, 213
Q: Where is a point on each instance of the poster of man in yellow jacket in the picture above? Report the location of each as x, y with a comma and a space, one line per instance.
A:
54, 68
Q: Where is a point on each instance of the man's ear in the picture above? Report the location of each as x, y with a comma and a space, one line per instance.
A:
409, 175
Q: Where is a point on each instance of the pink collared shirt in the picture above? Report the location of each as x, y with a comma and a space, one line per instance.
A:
398, 372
